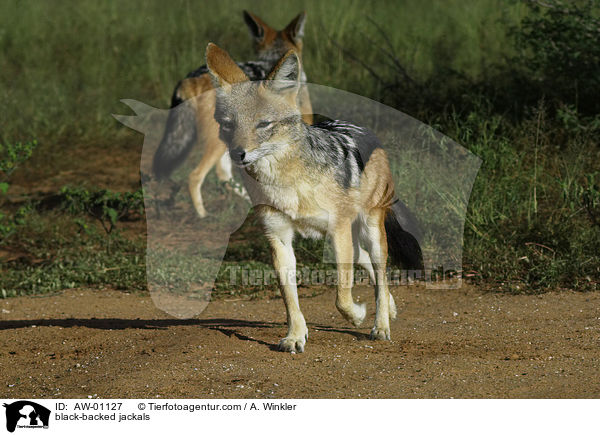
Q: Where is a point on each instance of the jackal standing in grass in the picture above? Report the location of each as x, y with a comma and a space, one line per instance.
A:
187, 127
329, 178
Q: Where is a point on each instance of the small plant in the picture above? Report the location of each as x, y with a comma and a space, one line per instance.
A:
11, 156
105, 206
589, 196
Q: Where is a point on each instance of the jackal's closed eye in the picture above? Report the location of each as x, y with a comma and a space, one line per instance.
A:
226, 124
264, 124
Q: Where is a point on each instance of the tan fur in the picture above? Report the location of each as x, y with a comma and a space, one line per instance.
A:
198, 90
269, 37
232, 74
270, 34
290, 194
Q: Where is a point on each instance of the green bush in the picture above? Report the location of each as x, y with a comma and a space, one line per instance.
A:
560, 48
105, 206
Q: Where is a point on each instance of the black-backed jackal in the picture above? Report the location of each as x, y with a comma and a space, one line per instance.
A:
328, 178
185, 128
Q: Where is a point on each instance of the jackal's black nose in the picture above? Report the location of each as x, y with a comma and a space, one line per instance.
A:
237, 155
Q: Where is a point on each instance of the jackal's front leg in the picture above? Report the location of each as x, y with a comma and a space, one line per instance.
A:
342, 241
213, 152
284, 262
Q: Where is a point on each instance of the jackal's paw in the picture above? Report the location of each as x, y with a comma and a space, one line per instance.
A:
201, 213
355, 314
293, 344
393, 310
380, 333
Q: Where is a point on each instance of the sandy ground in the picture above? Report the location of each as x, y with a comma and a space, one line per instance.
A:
445, 343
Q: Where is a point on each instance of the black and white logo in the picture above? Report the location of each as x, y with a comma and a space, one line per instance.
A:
26, 414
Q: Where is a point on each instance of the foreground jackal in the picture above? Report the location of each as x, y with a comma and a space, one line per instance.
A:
332, 177
185, 128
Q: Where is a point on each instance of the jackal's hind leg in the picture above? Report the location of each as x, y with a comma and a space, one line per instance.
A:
362, 258
343, 245
377, 248
213, 150
224, 168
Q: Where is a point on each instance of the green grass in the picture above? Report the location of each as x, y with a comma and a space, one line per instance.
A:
54, 253
530, 223
527, 227
65, 67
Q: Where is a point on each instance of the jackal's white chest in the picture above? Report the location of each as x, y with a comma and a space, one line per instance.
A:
296, 197
300, 208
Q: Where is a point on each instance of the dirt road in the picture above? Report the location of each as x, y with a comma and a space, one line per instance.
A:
446, 343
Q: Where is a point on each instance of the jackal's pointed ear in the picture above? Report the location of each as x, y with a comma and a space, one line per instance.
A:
295, 30
285, 76
257, 27
223, 70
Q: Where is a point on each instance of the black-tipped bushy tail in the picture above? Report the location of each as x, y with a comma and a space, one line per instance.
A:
178, 139
403, 237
